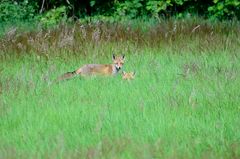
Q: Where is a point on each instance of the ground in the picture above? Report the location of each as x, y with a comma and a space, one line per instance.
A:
183, 103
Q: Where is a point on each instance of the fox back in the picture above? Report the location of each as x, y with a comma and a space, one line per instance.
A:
97, 69
102, 69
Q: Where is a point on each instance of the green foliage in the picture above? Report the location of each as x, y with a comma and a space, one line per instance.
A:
54, 11
15, 11
225, 9
129, 8
155, 7
54, 16
216, 9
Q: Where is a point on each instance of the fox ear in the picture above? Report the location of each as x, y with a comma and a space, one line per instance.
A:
123, 56
113, 57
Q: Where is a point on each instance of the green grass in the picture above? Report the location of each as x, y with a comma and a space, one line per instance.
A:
183, 103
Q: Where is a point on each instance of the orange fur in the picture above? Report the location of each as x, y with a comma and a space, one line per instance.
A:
97, 69
128, 75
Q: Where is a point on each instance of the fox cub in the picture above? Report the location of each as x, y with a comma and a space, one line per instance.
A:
97, 69
128, 75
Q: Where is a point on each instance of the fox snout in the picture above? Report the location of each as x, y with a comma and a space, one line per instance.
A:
118, 66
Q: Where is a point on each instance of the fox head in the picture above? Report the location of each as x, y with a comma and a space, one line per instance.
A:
118, 61
128, 75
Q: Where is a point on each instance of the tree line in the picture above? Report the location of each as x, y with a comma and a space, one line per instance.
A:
12, 10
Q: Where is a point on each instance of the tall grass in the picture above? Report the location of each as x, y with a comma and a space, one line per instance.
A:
183, 103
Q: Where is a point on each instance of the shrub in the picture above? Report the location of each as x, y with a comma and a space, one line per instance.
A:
225, 9
54, 16
16, 11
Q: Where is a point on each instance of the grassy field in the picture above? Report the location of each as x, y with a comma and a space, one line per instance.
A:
183, 103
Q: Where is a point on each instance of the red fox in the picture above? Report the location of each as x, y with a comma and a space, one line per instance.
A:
128, 75
96, 69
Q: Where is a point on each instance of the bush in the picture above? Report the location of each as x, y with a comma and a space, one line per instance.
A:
225, 9
54, 16
132, 9
215, 9
156, 7
55, 11
17, 11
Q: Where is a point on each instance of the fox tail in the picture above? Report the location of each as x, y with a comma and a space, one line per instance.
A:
65, 76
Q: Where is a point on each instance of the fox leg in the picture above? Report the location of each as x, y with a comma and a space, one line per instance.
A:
78, 71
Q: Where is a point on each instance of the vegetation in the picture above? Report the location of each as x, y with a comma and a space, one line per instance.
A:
12, 10
183, 103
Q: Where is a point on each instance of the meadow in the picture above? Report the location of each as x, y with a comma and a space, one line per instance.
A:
183, 103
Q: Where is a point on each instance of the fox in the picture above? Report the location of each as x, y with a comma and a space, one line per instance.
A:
128, 75
96, 69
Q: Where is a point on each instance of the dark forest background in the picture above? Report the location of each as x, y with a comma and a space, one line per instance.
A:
52, 11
